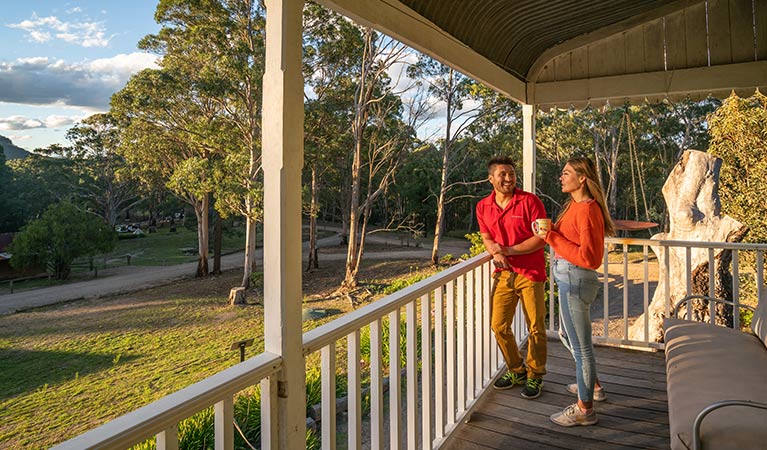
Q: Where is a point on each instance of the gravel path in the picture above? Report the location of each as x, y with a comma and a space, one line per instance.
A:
125, 279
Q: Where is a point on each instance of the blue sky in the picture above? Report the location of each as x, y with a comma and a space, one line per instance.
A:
61, 61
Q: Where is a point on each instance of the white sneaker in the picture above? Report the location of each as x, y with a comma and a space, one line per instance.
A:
599, 393
572, 416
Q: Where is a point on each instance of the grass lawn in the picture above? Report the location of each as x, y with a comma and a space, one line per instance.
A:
164, 248
69, 368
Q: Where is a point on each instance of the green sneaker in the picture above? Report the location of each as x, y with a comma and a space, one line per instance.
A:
510, 380
532, 388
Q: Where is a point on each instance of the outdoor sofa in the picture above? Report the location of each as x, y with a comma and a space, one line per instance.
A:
717, 382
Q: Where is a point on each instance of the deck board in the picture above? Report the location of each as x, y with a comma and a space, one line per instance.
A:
635, 414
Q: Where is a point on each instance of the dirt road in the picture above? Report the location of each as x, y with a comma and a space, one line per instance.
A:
124, 279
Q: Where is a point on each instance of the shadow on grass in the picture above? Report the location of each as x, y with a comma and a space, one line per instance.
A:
27, 370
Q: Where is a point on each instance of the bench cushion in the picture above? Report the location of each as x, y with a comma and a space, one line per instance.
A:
759, 322
707, 364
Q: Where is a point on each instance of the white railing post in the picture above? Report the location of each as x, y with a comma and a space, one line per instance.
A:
376, 386
395, 391
412, 376
282, 157
328, 380
646, 292
451, 349
439, 364
426, 386
269, 422
168, 439
354, 391
223, 417
471, 354
625, 291
461, 344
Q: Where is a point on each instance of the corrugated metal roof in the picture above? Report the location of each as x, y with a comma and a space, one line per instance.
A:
514, 33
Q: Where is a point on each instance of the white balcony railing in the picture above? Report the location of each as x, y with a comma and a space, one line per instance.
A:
450, 357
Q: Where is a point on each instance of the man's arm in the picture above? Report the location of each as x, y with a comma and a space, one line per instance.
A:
529, 245
495, 249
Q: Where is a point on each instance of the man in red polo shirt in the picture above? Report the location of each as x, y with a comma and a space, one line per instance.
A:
505, 217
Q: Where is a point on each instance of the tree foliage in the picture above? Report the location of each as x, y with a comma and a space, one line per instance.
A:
739, 136
62, 234
102, 181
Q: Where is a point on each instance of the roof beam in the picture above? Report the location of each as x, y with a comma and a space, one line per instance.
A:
407, 26
727, 77
605, 32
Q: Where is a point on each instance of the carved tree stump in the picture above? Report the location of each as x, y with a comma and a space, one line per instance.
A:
237, 296
691, 193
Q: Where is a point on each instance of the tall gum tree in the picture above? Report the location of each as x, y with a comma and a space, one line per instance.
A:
219, 46
377, 143
332, 49
166, 131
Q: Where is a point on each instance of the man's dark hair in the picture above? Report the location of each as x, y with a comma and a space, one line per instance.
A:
503, 160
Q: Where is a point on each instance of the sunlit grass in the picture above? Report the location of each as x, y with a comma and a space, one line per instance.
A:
67, 370
70, 368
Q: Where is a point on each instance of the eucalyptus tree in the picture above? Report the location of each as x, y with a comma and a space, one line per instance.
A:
464, 102
218, 47
379, 135
103, 180
332, 50
167, 132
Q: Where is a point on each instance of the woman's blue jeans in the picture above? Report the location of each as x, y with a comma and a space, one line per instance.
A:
578, 288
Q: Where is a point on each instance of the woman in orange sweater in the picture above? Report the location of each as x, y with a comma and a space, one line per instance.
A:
577, 239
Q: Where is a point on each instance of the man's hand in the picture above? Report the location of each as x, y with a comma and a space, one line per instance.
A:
500, 261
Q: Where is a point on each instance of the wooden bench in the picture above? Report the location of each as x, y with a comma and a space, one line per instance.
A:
716, 382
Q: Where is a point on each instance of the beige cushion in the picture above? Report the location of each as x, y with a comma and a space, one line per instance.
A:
706, 364
759, 322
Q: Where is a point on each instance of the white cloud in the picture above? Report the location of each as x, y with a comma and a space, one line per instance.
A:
54, 121
43, 29
43, 81
18, 123
19, 137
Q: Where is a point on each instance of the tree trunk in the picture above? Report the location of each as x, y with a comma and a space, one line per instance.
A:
250, 252
217, 238
439, 226
313, 263
693, 204
364, 92
201, 210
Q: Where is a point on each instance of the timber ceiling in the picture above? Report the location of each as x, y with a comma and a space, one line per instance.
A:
514, 33
579, 52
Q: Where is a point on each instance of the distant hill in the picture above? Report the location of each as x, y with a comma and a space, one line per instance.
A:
12, 151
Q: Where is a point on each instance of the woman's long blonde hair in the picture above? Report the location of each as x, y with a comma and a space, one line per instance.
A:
585, 167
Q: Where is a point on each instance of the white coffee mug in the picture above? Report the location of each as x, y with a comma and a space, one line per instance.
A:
541, 227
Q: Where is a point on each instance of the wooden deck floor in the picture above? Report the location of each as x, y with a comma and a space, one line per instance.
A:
635, 414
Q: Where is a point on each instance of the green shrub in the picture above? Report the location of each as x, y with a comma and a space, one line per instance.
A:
477, 246
62, 234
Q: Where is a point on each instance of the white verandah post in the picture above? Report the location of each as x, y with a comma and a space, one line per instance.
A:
282, 155
528, 147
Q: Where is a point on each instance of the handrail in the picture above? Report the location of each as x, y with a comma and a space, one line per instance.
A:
693, 244
136, 426
330, 332
696, 442
675, 309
